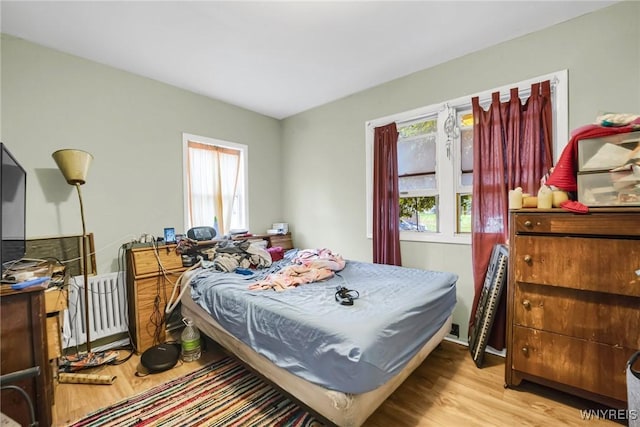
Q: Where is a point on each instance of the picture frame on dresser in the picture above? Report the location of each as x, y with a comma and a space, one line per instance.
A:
492, 290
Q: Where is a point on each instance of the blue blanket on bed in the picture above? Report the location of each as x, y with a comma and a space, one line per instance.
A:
352, 349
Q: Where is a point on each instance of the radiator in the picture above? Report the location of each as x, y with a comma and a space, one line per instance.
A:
107, 309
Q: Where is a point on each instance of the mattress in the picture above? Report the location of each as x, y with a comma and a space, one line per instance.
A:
341, 409
305, 331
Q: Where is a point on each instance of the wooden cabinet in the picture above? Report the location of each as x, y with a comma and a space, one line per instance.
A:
151, 274
55, 304
573, 300
24, 346
282, 240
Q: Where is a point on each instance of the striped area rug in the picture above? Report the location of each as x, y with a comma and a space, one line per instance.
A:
223, 393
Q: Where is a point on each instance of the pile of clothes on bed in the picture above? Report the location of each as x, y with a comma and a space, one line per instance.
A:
241, 256
309, 265
229, 255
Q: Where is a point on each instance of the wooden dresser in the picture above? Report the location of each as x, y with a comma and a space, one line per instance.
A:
24, 346
282, 240
151, 274
573, 300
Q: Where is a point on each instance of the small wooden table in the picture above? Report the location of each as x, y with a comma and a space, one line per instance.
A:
24, 345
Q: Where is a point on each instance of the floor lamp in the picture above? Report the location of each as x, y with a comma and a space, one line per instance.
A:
74, 165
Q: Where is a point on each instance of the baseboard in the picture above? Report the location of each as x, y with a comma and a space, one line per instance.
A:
456, 340
489, 349
115, 344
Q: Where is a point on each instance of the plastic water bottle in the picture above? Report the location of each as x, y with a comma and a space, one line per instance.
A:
215, 227
190, 341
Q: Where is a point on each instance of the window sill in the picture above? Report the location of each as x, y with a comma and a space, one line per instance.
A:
457, 239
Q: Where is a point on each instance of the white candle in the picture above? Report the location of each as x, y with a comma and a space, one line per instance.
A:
515, 198
545, 197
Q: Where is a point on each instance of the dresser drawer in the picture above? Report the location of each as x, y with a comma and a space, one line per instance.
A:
54, 329
147, 304
55, 299
603, 318
595, 264
145, 261
594, 367
613, 224
283, 241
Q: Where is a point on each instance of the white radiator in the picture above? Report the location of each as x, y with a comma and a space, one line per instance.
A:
107, 309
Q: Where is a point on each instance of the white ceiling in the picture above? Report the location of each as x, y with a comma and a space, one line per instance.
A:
273, 57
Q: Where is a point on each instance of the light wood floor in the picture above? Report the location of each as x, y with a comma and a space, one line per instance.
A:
446, 390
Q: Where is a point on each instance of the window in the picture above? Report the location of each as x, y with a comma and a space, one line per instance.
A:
435, 161
215, 180
464, 171
417, 178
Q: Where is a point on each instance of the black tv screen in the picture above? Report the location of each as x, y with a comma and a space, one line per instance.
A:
13, 190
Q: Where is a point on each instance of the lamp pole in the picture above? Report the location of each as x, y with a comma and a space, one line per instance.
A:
74, 165
85, 269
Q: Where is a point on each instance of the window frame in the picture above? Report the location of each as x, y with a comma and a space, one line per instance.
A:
244, 150
448, 170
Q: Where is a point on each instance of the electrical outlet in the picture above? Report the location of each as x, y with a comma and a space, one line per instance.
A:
455, 330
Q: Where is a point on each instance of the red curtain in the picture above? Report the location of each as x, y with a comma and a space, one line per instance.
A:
512, 147
386, 207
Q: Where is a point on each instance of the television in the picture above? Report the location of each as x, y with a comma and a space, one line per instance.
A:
13, 191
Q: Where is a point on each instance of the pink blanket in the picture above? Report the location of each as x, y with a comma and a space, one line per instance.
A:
310, 265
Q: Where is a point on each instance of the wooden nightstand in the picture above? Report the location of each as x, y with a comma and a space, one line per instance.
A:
282, 240
151, 274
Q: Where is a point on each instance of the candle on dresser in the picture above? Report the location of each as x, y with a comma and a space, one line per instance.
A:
545, 197
515, 198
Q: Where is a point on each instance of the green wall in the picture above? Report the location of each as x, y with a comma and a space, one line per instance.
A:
133, 127
324, 148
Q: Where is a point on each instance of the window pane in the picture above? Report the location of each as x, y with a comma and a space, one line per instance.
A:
417, 155
466, 149
466, 120
466, 179
419, 214
216, 184
464, 213
421, 128
414, 183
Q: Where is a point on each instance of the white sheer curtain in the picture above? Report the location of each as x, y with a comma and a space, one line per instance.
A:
214, 178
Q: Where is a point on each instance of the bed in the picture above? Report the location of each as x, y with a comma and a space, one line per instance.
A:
341, 361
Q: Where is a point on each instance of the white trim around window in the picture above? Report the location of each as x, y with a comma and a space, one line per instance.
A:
444, 167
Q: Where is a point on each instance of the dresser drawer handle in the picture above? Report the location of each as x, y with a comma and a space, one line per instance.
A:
525, 351
526, 304
528, 224
528, 259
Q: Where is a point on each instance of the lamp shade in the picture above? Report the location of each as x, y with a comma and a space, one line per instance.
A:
74, 165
